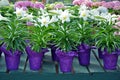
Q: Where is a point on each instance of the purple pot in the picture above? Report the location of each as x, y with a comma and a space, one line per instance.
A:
0, 53
12, 59
35, 58
118, 51
100, 53
84, 54
110, 60
65, 60
0, 49
54, 56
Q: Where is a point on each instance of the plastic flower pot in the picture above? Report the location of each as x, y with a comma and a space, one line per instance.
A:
100, 53
0, 53
35, 58
0, 49
12, 59
65, 60
84, 54
110, 60
54, 56
118, 51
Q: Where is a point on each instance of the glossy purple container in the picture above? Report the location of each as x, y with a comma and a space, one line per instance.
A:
110, 60
54, 56
100, 53
84, 54
35, 58
84, 57
65, 60
12, 59
0, 53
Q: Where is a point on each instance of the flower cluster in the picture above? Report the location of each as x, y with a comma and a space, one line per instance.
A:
117, 26
63, 16
80, 2
56, 5
26, 4
115, 5
66, 27
23, 15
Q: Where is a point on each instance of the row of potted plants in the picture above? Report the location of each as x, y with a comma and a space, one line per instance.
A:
68, 31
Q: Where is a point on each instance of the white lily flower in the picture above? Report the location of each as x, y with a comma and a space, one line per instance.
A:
93, 13
54, 19
84, 14
43, 12
65, 16
114, 17
55, 11
3, 18
44, 21
83, 7
109, 17
28, 17
20, 12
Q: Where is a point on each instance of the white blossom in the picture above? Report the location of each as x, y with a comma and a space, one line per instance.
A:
65, 16
44, 20
83, 7
28, 17
84, 14
20, 12
3, 18
55, 11
54, 19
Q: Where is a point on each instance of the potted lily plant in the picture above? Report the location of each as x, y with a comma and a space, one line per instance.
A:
38, 38
38, 46
84, 28
65, 37
13, 34
84, 49
108, 42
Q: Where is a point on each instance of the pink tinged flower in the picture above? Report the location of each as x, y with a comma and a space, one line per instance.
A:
25, 8
32, 5
18, 4
88, 3
109, 5
27, 3
39, 5
59, 5
116, 7
117, 33
116, 27
119, 18
21, 4
78, 2
29, 23
97, 4
117, 24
